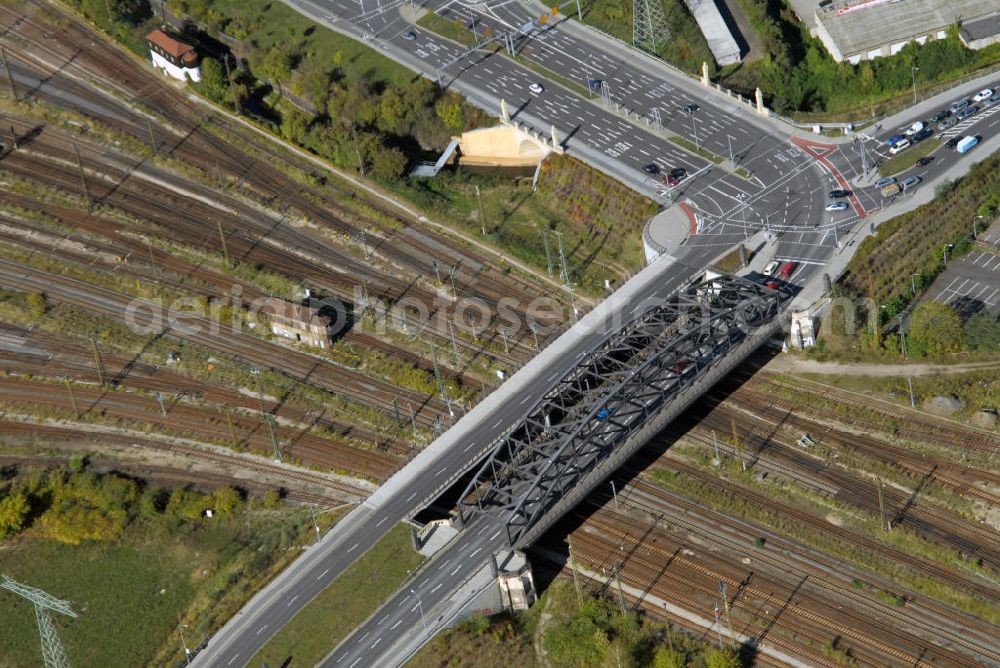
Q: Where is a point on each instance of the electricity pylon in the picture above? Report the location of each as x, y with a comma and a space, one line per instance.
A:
53, 653
649, 25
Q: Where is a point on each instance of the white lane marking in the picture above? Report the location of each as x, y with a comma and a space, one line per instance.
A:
261, 629
398, 622
478, 550
292, 600
457, 569
410, 497
469, 446
383, 619
362, 638
235, 656
354, 663
441, 471
525, 400
499, 422
322, 574
375, 643
379, 523
438, 586
494, 536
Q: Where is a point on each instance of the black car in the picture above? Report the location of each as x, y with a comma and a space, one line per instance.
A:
940, 116
652, 169
920, 136
834, 194
926, 160
965, 113
691, 108
678, 172
953, 142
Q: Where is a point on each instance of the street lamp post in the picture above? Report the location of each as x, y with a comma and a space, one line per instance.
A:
423, 622
946, 247
975, 231
913, 73
913, 284
187, 652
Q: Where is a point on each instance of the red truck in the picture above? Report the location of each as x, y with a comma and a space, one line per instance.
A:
786, 271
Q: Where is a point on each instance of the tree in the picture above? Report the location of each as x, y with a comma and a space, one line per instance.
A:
14, 509
37, 304
668, 658
226, 499
388, 164
213, 84
392, 112
294, 126
935, 329
721, 658
449, 110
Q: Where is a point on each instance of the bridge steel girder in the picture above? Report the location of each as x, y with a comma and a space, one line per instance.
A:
645, 373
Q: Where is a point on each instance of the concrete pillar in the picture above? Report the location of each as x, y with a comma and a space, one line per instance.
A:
743, 255
761, 109
555, 137
504, 116
704, 73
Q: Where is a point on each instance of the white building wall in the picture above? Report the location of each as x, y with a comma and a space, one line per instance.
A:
181, 73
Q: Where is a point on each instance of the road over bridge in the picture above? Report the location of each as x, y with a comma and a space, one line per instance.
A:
596, 415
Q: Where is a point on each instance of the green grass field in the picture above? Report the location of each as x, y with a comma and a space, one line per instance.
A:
909, 157
131, 595
265, 24
351, 599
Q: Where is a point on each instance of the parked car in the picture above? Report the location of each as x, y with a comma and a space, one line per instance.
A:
940, 116
836, 206
535, 87
993, 99
691, 108
984, 94
915, 128
953, 142
786, 270
882, 183
890, 190
652, 169
834, 194
771, 267
910, 181
922, 135
409, 35
895, 139
924, 161
947, 123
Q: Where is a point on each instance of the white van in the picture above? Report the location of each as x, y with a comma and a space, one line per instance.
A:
899, 146
915, 128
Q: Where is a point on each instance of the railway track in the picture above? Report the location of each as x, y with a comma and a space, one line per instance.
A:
302, 367
207, 454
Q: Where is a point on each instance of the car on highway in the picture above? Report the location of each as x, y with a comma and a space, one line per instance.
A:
676, 175
535, 87
958, 105
924, 161
984, 94
836, 206
940, 116
652, 169
910, 181
771, 267
834, 194
965, 113
882, 183
691, 108
947, 123
899, 146
409, 35
953, 142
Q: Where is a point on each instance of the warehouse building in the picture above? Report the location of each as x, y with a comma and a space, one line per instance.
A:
856, 30
303, 324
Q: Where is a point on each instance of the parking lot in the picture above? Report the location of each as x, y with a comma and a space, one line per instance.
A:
971, 284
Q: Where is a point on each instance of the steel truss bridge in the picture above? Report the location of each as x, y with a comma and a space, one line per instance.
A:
616, 398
